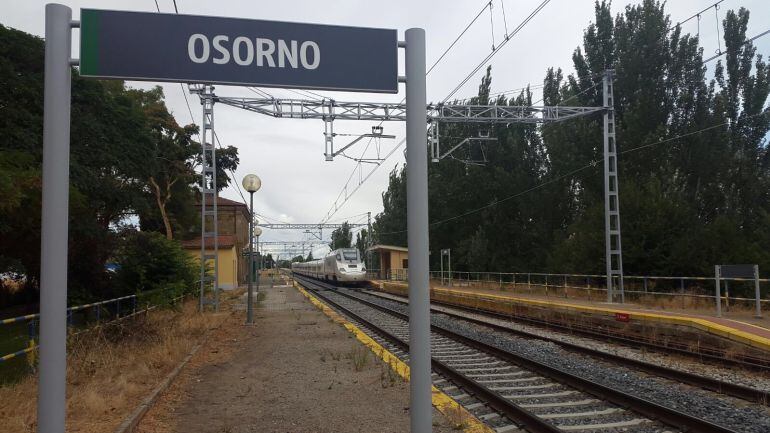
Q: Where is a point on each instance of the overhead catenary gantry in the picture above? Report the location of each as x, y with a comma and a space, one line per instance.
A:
316, 226
456, 113
329, 110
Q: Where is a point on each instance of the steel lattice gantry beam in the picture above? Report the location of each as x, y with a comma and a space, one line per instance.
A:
307, 226
329, 109
318, 109
293, 243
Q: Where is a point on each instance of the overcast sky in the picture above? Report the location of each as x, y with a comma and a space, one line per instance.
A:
298, 185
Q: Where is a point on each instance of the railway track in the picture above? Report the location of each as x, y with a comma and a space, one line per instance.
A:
509, 392
734, 390
682, 348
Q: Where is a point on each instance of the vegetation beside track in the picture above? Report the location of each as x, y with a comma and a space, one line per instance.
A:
688, 200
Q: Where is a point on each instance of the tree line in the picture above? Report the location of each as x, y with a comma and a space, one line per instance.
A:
131, 162
694, 166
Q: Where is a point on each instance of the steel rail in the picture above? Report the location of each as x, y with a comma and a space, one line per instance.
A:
652, 410
731, 389
522, 417
704, 353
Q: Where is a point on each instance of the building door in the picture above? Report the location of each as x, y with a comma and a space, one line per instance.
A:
385, 271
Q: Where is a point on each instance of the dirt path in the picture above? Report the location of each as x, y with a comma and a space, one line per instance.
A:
295, 371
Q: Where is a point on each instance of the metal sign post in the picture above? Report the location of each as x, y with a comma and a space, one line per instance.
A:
52, 383
213, 50
758, 312
417, 236
744, 272
718, 290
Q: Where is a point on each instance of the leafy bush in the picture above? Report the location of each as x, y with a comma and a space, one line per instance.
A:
154, 266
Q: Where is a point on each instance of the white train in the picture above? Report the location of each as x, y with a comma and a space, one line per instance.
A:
343, 266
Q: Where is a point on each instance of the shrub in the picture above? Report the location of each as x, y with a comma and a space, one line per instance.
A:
156, 268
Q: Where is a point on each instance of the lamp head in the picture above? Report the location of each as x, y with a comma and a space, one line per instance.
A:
251, 183
257, 231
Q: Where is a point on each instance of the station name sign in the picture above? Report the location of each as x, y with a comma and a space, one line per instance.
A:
200, 49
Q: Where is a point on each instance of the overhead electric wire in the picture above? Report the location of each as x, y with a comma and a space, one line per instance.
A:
446, 51
192, 118
332, 210
497, 49
747, 41
593, 163
695, 15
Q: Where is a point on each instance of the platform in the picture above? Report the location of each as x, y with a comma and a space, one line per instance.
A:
754, 335
293, 371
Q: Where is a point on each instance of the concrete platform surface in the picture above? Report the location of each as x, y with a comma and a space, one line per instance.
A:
293, 371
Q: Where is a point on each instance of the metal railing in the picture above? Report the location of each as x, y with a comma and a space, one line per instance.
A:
655, 291
667, 291
80, 318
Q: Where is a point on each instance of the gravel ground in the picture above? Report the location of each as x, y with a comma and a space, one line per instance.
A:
726, 411
293, 372
740, 376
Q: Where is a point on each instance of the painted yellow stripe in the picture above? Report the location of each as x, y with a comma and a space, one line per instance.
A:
19, 353
442, 402
18, 319
694, 322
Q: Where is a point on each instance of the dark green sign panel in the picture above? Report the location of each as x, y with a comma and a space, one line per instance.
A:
200, 49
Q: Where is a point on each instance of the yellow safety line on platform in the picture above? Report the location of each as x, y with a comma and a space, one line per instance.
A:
703, 324
442, 402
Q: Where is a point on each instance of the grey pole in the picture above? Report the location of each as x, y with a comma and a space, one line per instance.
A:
52, 383
758, 313
441, 267
449, 265
417, 236
250, 297
368, 257
258, 267
718, 290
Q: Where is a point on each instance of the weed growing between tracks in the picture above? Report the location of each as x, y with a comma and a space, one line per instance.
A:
111, 369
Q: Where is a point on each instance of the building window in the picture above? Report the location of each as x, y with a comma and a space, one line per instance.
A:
405, 263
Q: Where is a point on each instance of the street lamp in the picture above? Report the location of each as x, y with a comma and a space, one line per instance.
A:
251, 183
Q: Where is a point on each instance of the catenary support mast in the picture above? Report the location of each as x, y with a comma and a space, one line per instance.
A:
209, 217
613, 250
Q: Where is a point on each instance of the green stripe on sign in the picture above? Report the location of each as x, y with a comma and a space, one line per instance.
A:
89, 42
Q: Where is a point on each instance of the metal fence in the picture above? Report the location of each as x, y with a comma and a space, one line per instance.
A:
20, 333
660, 291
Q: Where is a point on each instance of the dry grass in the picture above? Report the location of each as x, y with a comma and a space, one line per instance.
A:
111, 369
359, 356
457, 417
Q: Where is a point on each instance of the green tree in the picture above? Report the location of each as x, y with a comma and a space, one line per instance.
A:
341, 237
149, 262
688, 199
362, 241
122, 141
170, 166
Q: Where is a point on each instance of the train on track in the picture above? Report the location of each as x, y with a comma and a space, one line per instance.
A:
343, 266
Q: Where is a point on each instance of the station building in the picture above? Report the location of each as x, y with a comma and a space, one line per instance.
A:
233, 240
393, 261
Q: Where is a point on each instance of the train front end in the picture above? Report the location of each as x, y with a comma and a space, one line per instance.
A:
350, 269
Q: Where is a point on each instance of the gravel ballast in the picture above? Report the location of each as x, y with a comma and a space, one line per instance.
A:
725, 411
